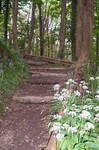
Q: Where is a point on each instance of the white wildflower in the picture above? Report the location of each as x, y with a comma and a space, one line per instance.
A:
89, 126
65, 95
97, 115
56, 127
56, 87
72, 129
57, 116
60, 136
88, 107
72, 113
96, 119
96, 108
97, 91
64, 91
83, 82
91, 78
87, 91
61, 98
84, 87
89, 100
65, 110
82, 132
97, 97
67, 83
85, 115
77, 93
97, 78
66, 126
77, 110
70, 80
56, 95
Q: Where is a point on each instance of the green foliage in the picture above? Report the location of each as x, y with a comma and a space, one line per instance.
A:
75, 124
12, 70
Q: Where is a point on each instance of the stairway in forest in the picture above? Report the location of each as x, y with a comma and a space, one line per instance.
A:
39, 87
25, 125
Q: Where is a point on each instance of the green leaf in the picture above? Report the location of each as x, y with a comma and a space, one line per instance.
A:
78, 146
92, 145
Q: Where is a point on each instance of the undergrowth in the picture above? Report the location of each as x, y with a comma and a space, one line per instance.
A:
12, 71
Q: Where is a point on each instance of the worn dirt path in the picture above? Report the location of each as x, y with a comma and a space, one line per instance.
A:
25, 124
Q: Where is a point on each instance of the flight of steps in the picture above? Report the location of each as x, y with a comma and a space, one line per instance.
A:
39, 87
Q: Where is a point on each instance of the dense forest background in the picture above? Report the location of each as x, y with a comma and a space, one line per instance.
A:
55, 28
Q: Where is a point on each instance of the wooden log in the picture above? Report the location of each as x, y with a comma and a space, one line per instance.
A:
47, 74
52, 143
33, 99
50, 60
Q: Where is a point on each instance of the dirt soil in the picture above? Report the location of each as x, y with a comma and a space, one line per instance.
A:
25, 126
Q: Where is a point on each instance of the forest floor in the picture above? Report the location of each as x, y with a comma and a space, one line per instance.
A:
25, 124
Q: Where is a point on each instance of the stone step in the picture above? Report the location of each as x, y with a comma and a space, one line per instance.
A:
36, 63
36, 89
47, 79
33, 99
52, 70
39, 74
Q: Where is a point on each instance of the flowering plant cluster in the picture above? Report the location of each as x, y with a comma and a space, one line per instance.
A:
76, 124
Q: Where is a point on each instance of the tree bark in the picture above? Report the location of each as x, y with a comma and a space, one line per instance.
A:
7, 3
84, 35
62, 29
31, 34
88, 14
97, 51
41, 29
14, 27
0, 6
73, 29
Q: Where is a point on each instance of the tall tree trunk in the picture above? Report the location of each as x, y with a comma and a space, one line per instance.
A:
97, 35
97, 51
0, 6
41, 29
79, 27
84, 36
48, 44
62, 29
31, 34
73, 29
14, 28
88, 14
7, 4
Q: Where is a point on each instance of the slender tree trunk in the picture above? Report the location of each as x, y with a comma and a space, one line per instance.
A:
79, 27
73, 29
31, 34
41, 30
48, 44
84, 36
14, 28
0, 6
97, 37
62, 29
7, 4
97, 51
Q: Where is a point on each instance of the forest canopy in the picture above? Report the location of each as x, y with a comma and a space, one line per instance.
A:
55, 28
